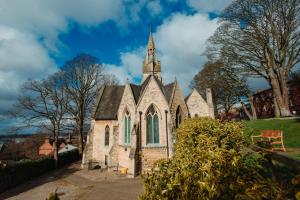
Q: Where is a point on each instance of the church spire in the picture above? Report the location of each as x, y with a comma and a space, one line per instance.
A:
151, 41
151, 63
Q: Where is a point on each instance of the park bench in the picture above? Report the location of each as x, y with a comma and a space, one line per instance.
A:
274, 137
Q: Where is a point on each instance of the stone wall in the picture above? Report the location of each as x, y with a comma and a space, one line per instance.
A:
154, 96
99, 149
197, 105
150, 155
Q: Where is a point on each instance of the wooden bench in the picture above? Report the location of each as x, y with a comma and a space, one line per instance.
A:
275, 137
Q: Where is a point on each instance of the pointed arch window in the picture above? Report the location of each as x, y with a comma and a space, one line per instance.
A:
152, 126
178, 117
127, 128
106, 137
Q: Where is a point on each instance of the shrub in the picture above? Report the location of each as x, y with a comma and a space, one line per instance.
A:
208, 163
13, 175
68, 157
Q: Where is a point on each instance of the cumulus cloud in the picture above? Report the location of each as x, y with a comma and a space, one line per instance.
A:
209, 6
130, 67
22, 57
180, 41
29, 33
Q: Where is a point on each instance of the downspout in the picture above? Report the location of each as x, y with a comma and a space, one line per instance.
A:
140, 144
167, 135
140, 132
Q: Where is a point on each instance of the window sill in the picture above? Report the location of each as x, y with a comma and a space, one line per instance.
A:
152, 145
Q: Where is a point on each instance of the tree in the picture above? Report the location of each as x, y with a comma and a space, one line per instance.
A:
262, 38
83, 77
227, 86
41, 105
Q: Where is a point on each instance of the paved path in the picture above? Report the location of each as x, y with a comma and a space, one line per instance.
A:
73, 183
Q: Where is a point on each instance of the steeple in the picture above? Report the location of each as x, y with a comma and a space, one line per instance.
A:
151, 63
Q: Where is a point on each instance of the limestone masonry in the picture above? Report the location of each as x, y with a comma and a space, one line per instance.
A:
135, 125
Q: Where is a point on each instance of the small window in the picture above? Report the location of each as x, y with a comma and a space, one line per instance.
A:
127, 128
106, 140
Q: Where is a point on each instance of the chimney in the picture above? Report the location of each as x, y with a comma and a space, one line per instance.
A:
210, 103
47, 139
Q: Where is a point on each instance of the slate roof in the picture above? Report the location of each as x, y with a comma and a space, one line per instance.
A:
109, 102
111, 97
169, 90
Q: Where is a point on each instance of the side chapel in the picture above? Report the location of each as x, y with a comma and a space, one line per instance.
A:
135, 125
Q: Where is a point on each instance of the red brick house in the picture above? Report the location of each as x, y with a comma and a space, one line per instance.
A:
263, 101
47, 147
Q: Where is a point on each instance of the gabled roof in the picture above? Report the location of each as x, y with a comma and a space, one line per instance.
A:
109, 102
111, 96
137, 90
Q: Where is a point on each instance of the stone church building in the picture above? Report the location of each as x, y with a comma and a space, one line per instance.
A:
134, 125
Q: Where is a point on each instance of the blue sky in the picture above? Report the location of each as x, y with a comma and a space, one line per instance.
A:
37, 37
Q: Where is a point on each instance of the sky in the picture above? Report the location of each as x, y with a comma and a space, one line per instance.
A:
37, 37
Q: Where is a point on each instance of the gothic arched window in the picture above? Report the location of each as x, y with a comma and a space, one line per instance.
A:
178, 117
127, 127
106, 137
152, 126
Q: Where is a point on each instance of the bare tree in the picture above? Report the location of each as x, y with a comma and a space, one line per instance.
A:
83, 77
261, 37
227, 86
41, 105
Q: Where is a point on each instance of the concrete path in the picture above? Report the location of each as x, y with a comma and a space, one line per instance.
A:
73, 183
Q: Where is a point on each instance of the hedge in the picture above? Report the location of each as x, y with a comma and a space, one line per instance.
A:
22, 171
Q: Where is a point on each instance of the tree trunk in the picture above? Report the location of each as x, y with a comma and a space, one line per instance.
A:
246, 111
278, 97
285, 91
253, 109
80, 136
55, 153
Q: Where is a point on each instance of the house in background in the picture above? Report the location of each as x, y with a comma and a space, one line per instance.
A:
264, 101
134, 125
47, 147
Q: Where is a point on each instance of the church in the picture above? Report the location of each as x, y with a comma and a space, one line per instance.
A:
135, 125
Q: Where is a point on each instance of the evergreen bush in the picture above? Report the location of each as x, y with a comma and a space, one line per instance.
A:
210, 163
13, 175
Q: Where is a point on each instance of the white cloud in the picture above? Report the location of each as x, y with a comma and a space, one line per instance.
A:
209, 5
29, 31
154, 7
22, 57
180, 41
130, 67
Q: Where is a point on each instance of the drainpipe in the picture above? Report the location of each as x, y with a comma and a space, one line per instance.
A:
140, 145
140, 132
167, 135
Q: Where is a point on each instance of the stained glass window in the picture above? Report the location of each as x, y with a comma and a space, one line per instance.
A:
152, 126
127, 127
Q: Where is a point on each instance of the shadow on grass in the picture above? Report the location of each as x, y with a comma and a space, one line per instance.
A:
40, 180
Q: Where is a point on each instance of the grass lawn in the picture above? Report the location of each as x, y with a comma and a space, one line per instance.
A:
290, 127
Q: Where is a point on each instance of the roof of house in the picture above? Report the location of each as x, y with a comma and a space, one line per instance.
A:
110, 99
67, 148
